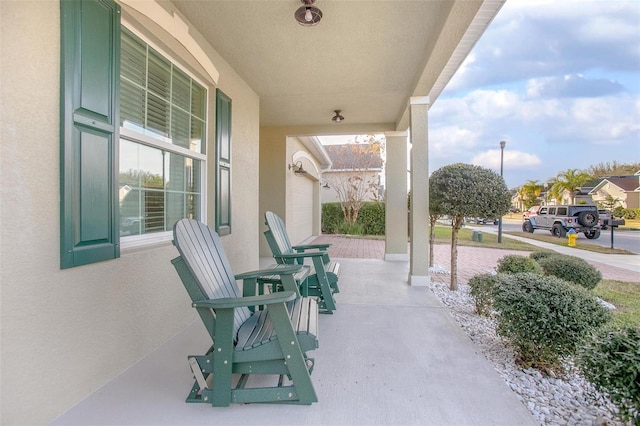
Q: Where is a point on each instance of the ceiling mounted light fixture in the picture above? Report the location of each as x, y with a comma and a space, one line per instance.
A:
337, 118
308, 15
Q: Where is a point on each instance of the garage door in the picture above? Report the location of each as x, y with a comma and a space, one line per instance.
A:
300, 219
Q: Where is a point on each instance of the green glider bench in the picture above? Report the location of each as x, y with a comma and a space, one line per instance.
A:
323, 277
257, 339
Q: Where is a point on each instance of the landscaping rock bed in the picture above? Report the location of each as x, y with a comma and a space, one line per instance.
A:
570, 400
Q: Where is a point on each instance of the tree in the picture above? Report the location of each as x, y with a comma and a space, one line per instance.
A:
464, 190
356, 159
610, 202
553, 191
570, 180
530, 193
612, 169
435, 213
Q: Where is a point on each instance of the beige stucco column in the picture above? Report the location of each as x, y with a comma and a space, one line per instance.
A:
396, 219
419, 217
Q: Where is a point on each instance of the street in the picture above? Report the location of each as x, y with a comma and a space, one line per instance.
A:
627, 240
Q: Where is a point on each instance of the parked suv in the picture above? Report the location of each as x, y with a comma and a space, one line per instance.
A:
561, 219
533, 210
605, 218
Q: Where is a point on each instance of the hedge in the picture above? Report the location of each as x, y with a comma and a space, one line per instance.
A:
370, 219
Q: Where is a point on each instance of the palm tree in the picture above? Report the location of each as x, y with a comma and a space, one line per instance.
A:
530, 193
570, 180
554, 192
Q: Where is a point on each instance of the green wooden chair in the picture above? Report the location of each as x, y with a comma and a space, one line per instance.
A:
271, 343
323, 277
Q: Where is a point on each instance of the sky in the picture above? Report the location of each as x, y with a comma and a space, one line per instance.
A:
558, 81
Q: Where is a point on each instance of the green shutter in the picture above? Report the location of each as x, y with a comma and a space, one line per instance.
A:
90, 46
223, 163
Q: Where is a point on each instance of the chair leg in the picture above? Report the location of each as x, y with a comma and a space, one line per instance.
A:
223, 358
323, 284
333, 282
295, 359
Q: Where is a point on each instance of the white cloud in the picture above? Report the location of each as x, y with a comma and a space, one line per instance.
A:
559, 81
514, 160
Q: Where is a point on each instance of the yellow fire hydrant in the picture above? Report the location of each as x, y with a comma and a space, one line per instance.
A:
572, 236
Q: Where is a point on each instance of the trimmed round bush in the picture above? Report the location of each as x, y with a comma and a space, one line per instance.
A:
537, 255
544, 317
482, 286
611, 361
513, 264
572, 269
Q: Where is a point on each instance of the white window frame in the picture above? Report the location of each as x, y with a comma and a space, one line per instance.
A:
146, 138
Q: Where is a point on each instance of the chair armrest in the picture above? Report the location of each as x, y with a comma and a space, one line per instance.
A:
300, 255
311, 247
238, 302
288, 270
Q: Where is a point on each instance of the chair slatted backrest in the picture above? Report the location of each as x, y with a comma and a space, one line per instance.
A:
201, 249
279, 235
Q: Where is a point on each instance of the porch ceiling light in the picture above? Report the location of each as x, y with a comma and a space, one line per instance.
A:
308, 15
337, 118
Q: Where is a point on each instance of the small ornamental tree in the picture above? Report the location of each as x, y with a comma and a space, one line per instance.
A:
464, 190
358, 164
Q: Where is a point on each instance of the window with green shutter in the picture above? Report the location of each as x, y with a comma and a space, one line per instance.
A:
133, 128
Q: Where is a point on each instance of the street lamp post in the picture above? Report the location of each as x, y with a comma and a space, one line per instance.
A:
502, 144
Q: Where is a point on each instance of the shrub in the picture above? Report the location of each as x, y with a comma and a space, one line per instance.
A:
370, 220
545, 318
611, 361
537, 255
371, 216
631, 213
572, 269
619, 212
513, 264
332, 217
482, 286
351, 228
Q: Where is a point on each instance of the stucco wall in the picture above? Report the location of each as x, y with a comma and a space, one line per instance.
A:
330, 195
65, 333
303, 196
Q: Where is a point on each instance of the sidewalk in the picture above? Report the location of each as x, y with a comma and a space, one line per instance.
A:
477, 260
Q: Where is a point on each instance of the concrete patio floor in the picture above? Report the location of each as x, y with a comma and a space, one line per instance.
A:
390, 355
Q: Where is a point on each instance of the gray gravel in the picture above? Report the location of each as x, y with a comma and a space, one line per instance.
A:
570, 400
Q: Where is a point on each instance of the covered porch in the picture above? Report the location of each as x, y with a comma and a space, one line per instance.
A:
391, 354
121, 320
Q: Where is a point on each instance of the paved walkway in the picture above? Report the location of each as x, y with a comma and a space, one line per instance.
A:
471, 260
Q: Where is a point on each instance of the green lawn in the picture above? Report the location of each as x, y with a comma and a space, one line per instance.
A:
631, 224
443, 236
548, 238
626, 298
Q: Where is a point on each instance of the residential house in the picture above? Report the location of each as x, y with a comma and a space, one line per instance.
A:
121, 116
624, 190
349, 161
